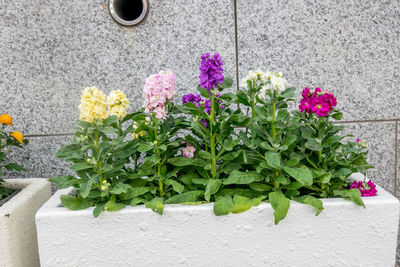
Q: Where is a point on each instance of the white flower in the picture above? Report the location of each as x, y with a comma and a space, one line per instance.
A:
276, 82
252, 75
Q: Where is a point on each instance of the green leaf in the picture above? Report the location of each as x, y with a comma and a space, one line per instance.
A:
14, 167
354, 195
273, 159
242, 98
177, 186
289, 140
181, 161
238, 177
223, 205
241, 203
227, 83
342, 172
212, 188
144, 147
303, 175
112, 206
134, 192
65, 181
156, 204
75, 203
80, 166
109, 130
313, 145
337, 116
203, 91
260, 187
310, 200
97, 210
292, 162
136, 201
191, 196
205, 155
86, 187
120, 188
280, 204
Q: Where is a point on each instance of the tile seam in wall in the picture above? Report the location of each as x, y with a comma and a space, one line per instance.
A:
366, 121
236, 44
48, 135
336, 122
396, 152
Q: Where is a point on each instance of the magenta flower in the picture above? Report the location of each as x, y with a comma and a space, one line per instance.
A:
318, 102
211, 71
188, 151
367, 190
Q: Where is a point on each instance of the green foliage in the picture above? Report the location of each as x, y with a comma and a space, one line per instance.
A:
248, 149
7, 143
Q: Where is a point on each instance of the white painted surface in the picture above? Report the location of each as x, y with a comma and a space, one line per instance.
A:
18, 240
342, 235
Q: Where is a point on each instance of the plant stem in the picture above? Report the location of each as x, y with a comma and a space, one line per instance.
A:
159, 165
99, 165
212, 137
311, 163
252, 100
273, 115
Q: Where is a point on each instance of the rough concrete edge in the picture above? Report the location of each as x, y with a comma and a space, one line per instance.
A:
29, 187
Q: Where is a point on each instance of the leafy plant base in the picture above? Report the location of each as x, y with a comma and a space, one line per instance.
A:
4, 200
196, 237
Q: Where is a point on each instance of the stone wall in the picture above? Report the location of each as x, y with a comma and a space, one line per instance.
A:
51, 50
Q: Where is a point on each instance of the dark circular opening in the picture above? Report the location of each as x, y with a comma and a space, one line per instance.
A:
128, 10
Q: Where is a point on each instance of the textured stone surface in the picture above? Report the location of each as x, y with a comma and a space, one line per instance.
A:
348, 47
38, 157
380, 137
51, 50
18, 239
191, 235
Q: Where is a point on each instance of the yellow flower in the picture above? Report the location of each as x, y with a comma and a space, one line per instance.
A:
18, 136
93, 105
117, 103
6, 119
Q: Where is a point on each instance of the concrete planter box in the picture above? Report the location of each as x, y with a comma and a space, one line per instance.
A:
342, 235
18, 240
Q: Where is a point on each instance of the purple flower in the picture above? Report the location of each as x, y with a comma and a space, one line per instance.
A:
211, 71
191, 98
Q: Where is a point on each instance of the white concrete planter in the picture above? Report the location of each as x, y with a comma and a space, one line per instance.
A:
18, 240
342, 235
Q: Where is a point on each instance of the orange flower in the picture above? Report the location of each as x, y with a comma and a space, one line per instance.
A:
6, 119
18, 136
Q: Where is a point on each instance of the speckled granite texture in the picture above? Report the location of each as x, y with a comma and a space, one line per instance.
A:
349, 47
51, 50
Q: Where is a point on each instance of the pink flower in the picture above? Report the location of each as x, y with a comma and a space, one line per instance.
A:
188, 151
367, 190
159, 89
358, 140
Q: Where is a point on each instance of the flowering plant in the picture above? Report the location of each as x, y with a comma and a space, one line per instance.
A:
99, 153
7, 141
234, 149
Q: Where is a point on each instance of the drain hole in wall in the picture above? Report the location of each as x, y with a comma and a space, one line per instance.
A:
128, 12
